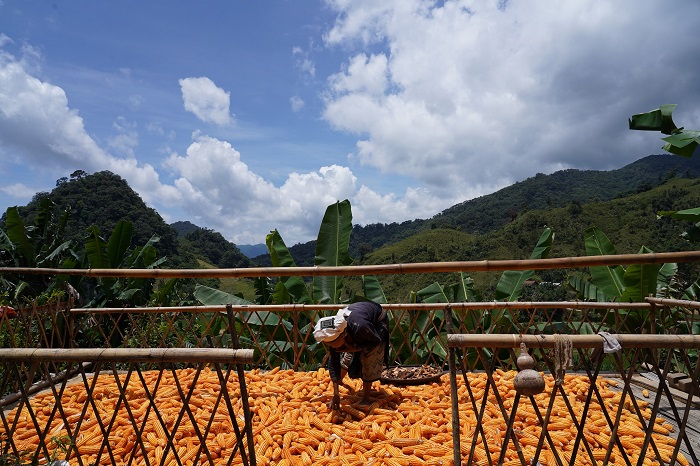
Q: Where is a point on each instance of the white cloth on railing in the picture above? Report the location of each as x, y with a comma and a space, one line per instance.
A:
610, 344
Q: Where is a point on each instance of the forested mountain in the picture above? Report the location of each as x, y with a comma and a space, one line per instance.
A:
630, 222
488, 213
571, 196
213, 248
566, 188
182, 228
103, 199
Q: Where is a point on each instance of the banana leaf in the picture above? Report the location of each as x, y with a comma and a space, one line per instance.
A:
510, 286
119, 242
660, 119
683, 142
609, 279
665, 278
640, 280
213, 297
586, 290
293, 289
17, 234
372, 289
332, 250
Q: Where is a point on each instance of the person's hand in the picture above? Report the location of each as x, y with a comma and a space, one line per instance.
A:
334, 404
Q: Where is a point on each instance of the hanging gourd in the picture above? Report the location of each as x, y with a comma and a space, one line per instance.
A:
528, 381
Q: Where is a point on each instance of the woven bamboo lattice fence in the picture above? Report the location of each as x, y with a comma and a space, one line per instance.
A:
191, 410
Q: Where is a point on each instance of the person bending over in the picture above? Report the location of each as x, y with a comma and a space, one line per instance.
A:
357, 338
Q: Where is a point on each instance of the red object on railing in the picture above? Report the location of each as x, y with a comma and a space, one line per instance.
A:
7, 311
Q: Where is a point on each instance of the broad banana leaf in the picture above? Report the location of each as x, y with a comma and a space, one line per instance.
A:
332, 250
17, 233
586, 290
162, 294
660, 119
640, 280
684, 142
690, 215
681, 141
146, 257
463, 291
666, 278
95, 249
56, 253
466, 292
119, 243
43, 220
294, 287
692, 293
432, 294
263, 293
372, 289
606, 278
510, 286
213, 297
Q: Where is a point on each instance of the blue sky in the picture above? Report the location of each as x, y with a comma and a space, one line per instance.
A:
245, 117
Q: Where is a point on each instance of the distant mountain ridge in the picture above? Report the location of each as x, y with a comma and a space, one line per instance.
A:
253, 250
184, 227
490, 212
493, 211
104, 198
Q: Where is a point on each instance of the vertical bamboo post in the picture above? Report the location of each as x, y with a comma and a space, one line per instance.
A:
248, 419
454, 397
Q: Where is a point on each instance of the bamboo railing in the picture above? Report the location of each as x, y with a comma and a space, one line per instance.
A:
387, 269
497, 344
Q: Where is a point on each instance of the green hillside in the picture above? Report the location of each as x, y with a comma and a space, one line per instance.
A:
629, 222
566, 188
103, 199
622, 203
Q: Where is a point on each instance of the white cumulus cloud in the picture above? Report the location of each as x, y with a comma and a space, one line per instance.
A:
206, 101
462, 94
37, 123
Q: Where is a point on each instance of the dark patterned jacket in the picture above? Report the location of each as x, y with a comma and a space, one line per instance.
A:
368, 326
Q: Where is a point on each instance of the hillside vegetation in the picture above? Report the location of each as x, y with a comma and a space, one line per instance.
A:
630, 222
103, 199
564, 189
504, 225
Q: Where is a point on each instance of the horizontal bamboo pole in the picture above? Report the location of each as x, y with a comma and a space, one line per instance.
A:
674, 302
484, 305
578, 341
387, 269
126, 355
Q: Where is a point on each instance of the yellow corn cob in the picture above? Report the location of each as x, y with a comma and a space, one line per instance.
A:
405, 442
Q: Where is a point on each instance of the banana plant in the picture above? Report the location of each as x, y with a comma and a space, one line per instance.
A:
686, 215
617, 283
680, 141
509, 288
37, 245
332, 250
116, 253
288, 289
426, 338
